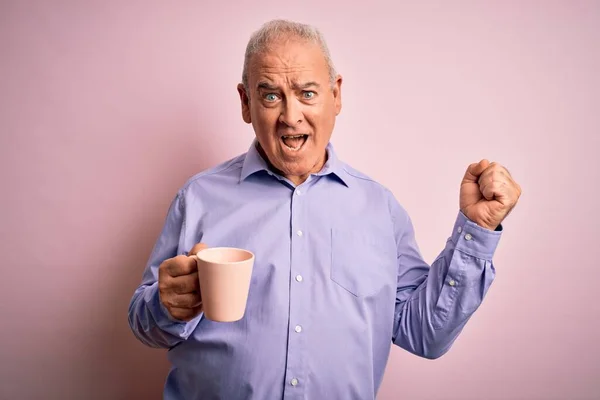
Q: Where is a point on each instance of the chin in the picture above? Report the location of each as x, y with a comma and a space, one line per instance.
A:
296, 169
304, 160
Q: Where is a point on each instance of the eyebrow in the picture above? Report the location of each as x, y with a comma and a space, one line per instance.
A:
267, 86
295, 85
306, 85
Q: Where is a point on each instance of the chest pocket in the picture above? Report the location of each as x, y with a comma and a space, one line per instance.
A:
361, 263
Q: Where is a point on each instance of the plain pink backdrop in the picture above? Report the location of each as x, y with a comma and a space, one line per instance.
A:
107, 107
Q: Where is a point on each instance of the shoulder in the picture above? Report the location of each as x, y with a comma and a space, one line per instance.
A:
226, 171
360, 177
364, 182
374, 188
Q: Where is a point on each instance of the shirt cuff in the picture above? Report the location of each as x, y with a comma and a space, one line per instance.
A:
473, 239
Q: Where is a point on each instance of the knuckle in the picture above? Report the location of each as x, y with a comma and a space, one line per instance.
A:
177, 264
182, 287
177, 287
162, 268
177, 314
166, 299
182, 300
167, 267
185, 264
175, 301
164, 302
162, 286
163, 282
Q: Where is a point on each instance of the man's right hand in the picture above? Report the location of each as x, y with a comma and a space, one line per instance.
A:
178, 285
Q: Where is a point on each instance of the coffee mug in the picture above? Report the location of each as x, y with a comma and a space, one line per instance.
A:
224, 274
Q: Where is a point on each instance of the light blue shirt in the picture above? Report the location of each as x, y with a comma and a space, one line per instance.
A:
338, 278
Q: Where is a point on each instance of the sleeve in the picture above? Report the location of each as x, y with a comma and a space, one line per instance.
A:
149, 320
433, 303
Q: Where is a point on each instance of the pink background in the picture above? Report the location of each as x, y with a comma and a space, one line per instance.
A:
107, 107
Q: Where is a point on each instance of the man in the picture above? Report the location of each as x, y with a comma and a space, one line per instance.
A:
338, 276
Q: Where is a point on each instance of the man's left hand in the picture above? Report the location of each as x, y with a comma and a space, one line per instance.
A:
488, 194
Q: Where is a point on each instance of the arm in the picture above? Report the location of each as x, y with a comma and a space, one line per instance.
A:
433, 303
149, 320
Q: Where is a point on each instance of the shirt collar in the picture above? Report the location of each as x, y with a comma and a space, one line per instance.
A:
254, 163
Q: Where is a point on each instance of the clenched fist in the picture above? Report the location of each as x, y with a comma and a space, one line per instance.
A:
488, 193
178, 286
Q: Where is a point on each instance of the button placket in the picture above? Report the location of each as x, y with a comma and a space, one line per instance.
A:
295, 356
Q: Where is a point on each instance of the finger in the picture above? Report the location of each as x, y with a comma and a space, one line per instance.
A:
498, 169
183, 284
180, 265
197, 247
501, 168
493, 190
185, 314
493, 173
188, 300
475, 170
488, 191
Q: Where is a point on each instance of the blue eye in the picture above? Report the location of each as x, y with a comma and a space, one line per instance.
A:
309, 95
271, 97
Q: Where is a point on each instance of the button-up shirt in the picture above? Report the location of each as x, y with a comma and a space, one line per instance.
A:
338, 278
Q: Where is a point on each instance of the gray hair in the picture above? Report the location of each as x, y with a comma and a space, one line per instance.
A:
278, 29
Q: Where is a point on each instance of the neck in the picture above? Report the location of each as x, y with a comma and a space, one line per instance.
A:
296, 179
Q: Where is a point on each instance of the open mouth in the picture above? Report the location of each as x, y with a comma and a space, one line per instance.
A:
294, 142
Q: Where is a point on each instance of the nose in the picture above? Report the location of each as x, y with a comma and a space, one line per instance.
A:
291, 114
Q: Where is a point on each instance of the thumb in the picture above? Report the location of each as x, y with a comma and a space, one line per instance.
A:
474, 170
197, 247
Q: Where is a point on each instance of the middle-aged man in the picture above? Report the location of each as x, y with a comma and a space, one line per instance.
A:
338, 275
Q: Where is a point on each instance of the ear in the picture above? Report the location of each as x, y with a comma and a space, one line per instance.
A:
245, 99
337, 94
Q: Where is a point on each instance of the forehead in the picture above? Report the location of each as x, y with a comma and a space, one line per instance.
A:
289, 60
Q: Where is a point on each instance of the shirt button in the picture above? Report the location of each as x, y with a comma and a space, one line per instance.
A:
299, 233
294, 381
299, 278
452, 282
298, 192
459, 229
298, 328
468, 236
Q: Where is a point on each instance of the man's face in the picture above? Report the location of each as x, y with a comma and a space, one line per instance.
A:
292, 106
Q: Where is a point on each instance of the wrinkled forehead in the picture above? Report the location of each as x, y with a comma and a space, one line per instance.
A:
290, 62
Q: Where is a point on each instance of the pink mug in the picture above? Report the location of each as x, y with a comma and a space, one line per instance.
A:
224, 274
